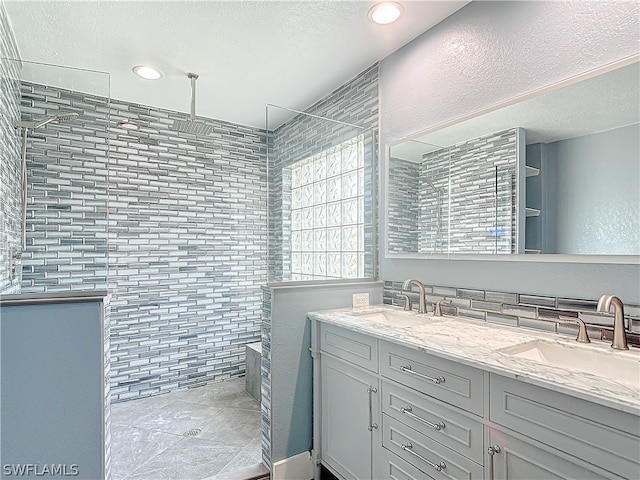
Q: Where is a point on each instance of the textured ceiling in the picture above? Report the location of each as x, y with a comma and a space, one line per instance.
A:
247, 53
595, 103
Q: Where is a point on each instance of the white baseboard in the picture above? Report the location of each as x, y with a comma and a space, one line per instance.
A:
298, 467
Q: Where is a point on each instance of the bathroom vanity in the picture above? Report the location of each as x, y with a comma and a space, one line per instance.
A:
403, 395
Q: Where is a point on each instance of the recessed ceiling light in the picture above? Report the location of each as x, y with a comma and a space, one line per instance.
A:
148, 72
385, 12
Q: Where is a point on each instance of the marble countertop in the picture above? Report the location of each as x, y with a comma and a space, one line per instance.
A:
479, 344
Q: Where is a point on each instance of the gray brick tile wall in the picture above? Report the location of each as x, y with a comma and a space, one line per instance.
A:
10, 155
434, 206
355, 103
187, 240
266, 377
403, 206
433, 201
472, 217
107, 388
67, 194
173, 224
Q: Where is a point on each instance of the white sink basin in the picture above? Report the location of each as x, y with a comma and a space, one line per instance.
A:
623, 367
397, 319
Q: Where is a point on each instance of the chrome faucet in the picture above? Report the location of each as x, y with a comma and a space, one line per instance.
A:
583, 335
619, 335
437, 309
407, 301
422, 308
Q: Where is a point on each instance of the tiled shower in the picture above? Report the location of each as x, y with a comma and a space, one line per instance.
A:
472, 213
183, 244
172, 225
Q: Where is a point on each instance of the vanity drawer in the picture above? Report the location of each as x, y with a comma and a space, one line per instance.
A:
352, 347
448, 381
425, 454
391, 467
435, 420
606, 437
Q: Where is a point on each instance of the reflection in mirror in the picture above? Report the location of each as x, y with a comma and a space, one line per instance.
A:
556, 173
417, 204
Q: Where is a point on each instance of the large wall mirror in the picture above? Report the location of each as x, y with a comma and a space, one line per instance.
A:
553, 176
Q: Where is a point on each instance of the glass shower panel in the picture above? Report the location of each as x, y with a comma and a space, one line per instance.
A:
417, 193
10, 176
434, 201
62, 192
320, 197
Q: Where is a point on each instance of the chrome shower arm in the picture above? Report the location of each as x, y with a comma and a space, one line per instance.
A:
193, 77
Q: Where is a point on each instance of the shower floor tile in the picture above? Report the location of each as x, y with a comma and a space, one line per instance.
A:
148, 438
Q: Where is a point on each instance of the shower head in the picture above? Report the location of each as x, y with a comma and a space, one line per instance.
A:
61, 117
65, 117
190, 125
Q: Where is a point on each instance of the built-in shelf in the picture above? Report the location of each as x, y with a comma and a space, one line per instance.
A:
532, 171
533, 196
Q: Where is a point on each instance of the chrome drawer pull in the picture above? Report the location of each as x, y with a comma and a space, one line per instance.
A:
492, 450
370, 391
407, 447
407, 369
409, 413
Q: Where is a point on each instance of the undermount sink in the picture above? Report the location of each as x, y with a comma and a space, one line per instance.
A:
396, 319
623, 367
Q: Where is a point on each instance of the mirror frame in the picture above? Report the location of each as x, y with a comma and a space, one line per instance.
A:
542, 258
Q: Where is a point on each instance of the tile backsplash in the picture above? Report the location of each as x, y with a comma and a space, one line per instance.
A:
520, 309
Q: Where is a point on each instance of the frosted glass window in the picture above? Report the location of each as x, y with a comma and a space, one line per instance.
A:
327, 213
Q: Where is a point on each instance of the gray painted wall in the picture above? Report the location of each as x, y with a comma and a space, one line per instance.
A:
291, 380
486, 53
597, 207
53, 388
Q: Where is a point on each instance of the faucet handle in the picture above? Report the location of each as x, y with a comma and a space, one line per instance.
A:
583, 336
437, 310
407, 304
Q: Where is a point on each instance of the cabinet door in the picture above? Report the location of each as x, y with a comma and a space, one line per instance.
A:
520, 460
349, 408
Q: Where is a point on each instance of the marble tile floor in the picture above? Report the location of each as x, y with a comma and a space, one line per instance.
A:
192, 434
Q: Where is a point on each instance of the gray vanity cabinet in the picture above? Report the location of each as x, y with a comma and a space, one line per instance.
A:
350, 405
560, 433
391, 412
512, 458
431, 415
